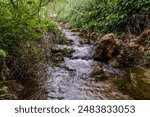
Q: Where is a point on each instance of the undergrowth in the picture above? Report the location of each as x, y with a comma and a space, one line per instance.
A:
26, 36
104, 16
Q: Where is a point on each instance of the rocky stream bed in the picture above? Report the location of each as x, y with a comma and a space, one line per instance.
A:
73, 78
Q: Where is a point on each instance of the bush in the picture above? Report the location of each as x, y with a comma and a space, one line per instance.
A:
102, 16
24, 24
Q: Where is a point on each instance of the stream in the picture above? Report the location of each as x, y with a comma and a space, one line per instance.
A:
72, 79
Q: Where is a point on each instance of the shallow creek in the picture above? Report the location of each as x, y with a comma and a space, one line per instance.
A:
72, 80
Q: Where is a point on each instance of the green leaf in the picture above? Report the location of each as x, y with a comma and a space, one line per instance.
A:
3, 53
32, 23
4, 89
37, 35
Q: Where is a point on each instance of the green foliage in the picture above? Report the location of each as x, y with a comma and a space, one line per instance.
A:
25, 39
3, 90
101, 15
23, 24
2, 53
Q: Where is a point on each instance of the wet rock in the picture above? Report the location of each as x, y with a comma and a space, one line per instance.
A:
102, 77
73, 30
83, 31
93, 35
73, 34
113, 71
139, 86
85, 40
106, 71
97, 70
106, 48
114, 62
65, 50
81, 34
67, 26
57, 57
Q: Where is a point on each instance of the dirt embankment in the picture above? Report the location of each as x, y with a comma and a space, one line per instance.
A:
126, 51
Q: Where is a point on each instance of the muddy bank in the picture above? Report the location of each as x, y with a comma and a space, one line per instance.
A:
127, 51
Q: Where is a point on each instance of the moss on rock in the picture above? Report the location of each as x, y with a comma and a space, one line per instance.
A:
97, 70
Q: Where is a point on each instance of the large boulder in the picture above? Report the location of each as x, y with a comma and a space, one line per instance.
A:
140, 83
121, 53
106, 48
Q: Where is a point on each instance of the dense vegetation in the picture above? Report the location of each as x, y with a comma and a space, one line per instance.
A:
105, 16
23, 26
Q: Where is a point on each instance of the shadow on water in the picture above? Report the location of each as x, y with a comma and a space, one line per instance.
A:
32, 90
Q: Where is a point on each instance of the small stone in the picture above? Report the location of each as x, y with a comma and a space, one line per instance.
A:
80, 34
102, 77
93, 34
114, 62
97, 70
73, 30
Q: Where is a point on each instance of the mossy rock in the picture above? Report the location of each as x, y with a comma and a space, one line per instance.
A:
122, 84
97, 70
102, 77
67, 52
140, 83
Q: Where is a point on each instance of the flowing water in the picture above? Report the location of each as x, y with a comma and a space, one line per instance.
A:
72, 80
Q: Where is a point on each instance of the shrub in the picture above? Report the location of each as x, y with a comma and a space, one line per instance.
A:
103, 16
23, 26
